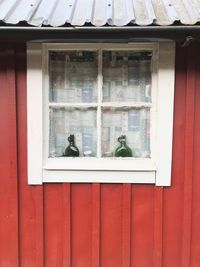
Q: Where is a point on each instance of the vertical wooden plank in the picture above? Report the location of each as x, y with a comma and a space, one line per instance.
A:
173, 196
81, 219
142, 225
126, 226
111, 225
53, 224
195, 244
9, 248
158, 226
189, 150
39, 228
11, 224
30, 198
95, 224
66, 225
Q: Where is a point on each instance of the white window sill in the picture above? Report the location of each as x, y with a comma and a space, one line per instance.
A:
102, 164
139, 177
104, 170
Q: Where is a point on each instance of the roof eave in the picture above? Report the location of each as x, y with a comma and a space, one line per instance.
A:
96, 34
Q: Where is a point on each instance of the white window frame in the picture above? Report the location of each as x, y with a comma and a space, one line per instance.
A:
155, 170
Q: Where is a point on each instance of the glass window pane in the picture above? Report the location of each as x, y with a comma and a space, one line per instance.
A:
132, 122
73, 76
79, 122
127, 76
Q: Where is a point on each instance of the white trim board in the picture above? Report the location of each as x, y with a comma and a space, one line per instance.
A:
99, 176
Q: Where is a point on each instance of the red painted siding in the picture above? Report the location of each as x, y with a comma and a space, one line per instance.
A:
92, 225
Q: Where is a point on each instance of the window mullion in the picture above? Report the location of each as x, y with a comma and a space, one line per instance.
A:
76, 105
127, 104
100, 85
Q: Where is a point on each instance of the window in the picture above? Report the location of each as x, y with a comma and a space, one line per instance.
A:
100, 94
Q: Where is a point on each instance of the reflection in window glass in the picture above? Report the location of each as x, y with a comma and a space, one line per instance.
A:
132, 122
73, 76
126, 76
79, 122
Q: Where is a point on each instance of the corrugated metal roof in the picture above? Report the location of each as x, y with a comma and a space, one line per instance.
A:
100, 12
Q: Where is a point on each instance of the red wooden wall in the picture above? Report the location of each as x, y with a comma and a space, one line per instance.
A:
92, 225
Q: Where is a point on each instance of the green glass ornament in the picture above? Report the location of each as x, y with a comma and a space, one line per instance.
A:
123, 150
71, 150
